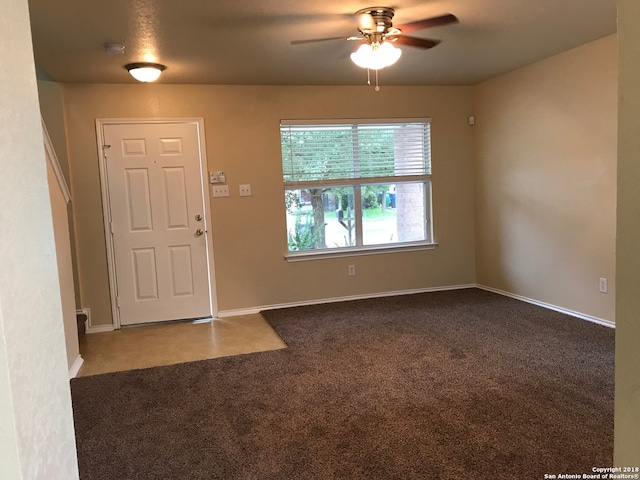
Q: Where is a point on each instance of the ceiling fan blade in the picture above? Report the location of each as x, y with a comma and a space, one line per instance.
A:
313, 40
446, 19
416, 42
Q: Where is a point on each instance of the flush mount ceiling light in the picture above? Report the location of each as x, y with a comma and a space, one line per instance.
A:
145, 71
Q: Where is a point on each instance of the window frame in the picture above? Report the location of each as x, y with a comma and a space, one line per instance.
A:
357, 184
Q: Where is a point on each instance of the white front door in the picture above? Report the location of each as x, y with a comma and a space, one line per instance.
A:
158, 222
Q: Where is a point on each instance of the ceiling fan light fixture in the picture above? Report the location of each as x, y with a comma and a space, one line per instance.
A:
145, 71
376, 56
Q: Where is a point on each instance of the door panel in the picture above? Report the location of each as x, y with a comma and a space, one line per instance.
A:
155, 195
138, 199
181, 268
145, 274
176, 198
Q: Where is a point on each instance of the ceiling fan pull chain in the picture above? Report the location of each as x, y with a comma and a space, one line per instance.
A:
368, 77
377, 89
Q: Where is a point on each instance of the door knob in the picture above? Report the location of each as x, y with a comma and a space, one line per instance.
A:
199, 232
198, 218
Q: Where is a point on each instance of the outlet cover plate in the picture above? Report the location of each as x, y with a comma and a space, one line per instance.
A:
604, 285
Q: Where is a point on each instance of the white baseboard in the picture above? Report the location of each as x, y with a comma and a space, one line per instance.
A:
75, 368
254, 310
89, 328
99, 329
583, 316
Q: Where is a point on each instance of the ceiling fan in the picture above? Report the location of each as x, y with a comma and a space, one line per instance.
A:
375, 26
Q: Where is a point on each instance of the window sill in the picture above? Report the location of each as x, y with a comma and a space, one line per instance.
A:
346, 252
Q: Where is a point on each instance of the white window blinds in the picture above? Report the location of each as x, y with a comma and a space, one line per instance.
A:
334, 151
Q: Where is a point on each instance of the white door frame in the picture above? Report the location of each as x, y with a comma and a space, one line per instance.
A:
106, 213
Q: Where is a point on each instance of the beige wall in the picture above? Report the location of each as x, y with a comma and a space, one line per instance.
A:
627, 395
36, 426
51, 99
242, 136
545, 175
63, 259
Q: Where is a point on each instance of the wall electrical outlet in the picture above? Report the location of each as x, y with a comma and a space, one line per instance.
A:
220, 190
351, 270
245, 190
604, 285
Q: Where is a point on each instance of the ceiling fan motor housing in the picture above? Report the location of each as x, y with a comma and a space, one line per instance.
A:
375, 25
374, 20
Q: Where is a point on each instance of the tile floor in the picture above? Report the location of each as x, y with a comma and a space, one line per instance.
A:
165, 344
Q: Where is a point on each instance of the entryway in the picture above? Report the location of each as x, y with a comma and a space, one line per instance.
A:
156, 220
167, 344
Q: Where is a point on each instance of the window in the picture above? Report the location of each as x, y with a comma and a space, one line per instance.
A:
356, 185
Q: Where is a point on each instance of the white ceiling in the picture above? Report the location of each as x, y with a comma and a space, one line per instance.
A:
248, 41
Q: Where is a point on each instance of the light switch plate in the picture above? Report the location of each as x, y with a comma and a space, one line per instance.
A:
220, 190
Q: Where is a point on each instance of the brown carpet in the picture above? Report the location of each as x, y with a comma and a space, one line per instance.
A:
448, 385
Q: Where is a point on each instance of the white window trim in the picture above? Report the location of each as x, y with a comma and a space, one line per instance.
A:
355, 252
297, 256
372, 121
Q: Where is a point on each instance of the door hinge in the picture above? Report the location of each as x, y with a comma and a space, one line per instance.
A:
111, 227
104, 150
